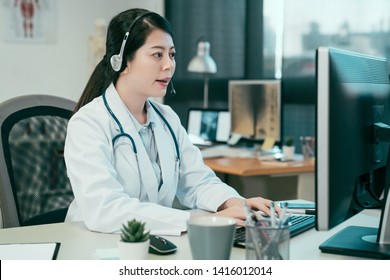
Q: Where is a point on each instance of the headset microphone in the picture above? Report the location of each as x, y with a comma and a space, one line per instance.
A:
173, 91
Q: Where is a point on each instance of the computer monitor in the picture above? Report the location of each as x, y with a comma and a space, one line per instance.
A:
255, 107
208, 126
352, 134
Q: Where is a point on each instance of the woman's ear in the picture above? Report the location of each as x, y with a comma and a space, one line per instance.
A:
126, 70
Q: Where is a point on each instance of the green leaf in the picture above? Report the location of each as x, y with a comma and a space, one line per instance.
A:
134, 231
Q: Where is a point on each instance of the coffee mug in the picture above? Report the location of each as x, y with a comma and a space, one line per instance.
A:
211, 237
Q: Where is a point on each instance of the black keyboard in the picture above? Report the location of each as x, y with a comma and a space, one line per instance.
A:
297, 225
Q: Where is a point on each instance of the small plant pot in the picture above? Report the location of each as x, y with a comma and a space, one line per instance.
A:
288, 152
133, 250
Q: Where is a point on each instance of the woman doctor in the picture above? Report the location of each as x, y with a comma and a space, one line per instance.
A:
128, 156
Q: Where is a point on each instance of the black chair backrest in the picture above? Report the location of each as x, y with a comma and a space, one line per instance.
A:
34, 185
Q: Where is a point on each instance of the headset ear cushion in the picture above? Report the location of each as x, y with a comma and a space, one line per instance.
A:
116, 62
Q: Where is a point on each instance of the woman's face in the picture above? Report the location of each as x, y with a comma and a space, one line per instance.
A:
153, 66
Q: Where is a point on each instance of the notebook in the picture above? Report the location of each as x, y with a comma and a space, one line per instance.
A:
29, 251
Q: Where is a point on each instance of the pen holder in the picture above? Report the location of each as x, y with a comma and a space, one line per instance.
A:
308, 147
267, 241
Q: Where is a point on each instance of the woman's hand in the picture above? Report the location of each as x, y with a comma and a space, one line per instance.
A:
234, 208
236, 212
262, 204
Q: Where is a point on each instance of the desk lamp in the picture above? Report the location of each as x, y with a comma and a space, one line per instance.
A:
203, 63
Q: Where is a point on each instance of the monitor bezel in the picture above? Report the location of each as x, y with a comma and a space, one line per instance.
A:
322, 165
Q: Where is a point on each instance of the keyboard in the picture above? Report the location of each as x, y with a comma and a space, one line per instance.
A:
297, 225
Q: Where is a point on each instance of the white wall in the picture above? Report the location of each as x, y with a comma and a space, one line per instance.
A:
61, 68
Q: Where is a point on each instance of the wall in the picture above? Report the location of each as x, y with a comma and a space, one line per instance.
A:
60, 68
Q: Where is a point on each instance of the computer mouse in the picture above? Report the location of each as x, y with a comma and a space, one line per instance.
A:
161, 246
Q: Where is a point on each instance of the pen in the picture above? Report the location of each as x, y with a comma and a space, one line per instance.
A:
302, 211
283, 218
273, 217
250, 216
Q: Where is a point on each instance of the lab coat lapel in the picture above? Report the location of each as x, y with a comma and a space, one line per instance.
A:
167, 156
148, 177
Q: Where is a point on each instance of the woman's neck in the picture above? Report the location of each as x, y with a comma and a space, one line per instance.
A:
141, 116
136, 104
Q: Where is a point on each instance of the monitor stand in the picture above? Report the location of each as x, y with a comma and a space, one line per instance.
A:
357, 241
366, 242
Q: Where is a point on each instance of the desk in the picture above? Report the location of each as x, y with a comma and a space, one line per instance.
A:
254, 167
252, 177
78, 243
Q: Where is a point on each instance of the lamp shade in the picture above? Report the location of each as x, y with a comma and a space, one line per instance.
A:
202, 62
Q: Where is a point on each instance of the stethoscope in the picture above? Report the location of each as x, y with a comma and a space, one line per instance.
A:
122, 133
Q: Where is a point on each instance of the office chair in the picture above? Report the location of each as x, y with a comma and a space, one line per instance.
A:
34, 187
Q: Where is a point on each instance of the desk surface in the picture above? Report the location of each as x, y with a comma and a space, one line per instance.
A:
253, 167
78, 243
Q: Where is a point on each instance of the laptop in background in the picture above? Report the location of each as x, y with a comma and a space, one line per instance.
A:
207, 127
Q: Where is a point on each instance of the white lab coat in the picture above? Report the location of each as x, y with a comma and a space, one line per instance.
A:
110, 187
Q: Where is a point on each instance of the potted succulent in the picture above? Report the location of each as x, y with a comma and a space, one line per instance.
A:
134, 241
288, 148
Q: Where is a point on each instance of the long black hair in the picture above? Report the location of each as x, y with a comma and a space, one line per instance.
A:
104, 75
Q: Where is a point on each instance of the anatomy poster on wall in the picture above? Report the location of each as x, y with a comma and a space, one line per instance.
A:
30, 21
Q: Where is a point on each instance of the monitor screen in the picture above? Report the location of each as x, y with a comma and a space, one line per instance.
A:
208, 126
353, 102
255, 107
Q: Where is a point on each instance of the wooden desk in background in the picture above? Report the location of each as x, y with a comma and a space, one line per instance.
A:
254, 167
274, 180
